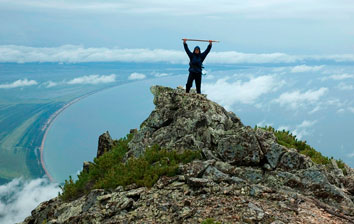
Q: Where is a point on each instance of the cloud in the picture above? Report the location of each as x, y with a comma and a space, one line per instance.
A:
19, 197
306, 68
93, 79
351, 109
314, 110
350, 155
339, 77
76, 54
340, 110
87, 79
300, 130
18, 83
306, 124
254, 9
342, 76
228, 92
209, 77
160, 74
297, 99
136, 76
344, 86
50, 84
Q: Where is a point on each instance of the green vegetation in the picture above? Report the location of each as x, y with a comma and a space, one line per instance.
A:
110, 171
210, 221
289, 140
340, 165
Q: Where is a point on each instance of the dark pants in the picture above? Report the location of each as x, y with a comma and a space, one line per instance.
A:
198, 81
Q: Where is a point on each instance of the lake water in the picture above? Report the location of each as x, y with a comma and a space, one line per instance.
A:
73, 137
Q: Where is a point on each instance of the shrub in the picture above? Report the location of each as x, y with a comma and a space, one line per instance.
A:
340, 165
210, 221
110, 171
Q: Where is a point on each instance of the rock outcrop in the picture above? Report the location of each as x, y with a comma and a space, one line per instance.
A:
245, 176
105, 144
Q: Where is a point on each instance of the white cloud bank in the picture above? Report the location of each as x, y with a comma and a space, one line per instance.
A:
87, 79
75, 54
93, 79
136, 76
18, 83
306, 68
297, 99
19, 197
228, 92
84, 80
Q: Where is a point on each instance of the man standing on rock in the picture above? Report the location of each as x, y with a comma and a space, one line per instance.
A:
195, 65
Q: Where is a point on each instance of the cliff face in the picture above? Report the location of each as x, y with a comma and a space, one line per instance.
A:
244, 176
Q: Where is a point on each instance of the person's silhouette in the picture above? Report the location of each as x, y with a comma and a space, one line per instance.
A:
195, 65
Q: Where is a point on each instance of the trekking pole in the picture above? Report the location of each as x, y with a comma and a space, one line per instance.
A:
202, 40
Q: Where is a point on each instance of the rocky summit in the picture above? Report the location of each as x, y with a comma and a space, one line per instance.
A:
243, 176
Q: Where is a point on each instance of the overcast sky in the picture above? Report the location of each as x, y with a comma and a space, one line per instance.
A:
292, 27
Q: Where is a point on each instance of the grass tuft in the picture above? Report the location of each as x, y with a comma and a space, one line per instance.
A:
110, 171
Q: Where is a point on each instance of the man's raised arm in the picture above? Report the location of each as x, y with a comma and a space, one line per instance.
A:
189, 53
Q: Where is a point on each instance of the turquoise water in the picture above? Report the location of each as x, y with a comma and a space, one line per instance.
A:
73, 137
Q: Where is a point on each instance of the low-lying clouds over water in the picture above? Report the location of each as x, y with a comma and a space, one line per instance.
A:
77, 53
19, 197
82, 80
228, 92
18, 83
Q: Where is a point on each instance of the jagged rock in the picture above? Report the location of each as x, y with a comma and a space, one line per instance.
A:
242, 148
86, 166
197, 182
293, 160
224, 167
274, 154
244, 176
194, 169
348, 183
271, 149
190, 121
105, 144
254, 213
252, 175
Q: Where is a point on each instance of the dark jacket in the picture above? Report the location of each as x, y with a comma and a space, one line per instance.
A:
196, 60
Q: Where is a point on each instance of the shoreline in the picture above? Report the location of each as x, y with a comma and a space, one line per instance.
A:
46, 127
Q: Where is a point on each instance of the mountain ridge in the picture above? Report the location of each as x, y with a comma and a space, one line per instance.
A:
242, 175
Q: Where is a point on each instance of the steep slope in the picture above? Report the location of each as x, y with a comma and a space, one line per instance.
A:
244, 175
